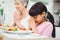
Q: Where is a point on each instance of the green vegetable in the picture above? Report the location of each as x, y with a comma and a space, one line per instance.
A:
3, 28
16, 29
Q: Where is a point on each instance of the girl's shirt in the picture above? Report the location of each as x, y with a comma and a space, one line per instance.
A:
45, 29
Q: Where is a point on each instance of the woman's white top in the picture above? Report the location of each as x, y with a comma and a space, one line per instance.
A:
24, 22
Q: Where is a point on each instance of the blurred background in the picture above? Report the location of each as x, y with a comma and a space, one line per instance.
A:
7, 9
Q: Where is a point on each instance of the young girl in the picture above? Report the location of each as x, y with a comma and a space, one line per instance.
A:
40, 21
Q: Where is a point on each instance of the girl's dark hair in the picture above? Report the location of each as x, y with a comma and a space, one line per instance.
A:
37, 9
51, 19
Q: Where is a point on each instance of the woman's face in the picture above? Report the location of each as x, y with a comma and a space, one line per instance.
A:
17, 4
39, 18
24, 2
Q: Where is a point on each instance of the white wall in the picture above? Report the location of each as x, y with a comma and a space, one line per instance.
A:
8, 11
57, 32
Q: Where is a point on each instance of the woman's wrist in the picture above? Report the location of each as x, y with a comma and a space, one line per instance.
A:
20, 26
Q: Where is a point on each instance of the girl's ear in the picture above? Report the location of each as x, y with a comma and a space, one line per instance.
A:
43, 13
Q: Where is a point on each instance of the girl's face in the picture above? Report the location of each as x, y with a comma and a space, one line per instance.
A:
39, 18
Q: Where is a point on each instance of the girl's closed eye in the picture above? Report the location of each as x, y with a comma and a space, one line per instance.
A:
35, 17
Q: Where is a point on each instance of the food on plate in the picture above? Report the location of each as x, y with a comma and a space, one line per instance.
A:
3, 28
10, 28
13, 29
0, 24
7, 25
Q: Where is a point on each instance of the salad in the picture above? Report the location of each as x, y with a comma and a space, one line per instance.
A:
12, 28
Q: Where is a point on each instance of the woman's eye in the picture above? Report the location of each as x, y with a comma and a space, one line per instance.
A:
17, 3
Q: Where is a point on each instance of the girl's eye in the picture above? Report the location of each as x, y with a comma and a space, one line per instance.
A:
35, 17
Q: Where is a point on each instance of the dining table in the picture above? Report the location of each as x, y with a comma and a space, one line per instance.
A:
28, 36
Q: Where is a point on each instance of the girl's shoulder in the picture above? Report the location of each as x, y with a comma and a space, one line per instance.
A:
47, 23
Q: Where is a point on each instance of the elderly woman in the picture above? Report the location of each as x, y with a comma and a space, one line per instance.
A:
21, 15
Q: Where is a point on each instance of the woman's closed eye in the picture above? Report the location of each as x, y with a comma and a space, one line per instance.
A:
16, 3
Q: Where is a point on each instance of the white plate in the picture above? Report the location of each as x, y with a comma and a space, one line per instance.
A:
18, 32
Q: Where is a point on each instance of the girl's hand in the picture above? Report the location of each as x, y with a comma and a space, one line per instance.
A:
32, 25
32, 22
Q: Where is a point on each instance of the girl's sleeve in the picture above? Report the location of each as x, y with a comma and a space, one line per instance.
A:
47, 31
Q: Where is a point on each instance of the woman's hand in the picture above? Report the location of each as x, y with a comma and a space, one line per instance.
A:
14, 24
20, 26
16, 17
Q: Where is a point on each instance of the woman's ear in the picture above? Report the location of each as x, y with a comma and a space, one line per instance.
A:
43, 13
